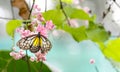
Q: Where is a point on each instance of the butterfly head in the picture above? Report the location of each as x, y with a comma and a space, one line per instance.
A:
39, 35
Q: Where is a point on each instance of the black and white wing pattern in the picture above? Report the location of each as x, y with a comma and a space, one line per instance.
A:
35, 43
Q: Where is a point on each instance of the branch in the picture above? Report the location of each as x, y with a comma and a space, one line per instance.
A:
45, 5
108, 10
12, 10
6, 18
116, 3
61, 7
31, 9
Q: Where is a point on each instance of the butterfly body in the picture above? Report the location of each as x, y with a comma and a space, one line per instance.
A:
35, 43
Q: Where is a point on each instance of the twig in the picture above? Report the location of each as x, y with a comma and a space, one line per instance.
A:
108, 10
29, 70
96, 69
116, 3
31, 9
61, 7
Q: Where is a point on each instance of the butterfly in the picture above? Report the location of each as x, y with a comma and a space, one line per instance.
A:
35, 43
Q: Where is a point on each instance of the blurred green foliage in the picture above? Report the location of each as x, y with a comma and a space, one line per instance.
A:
12, 25
111, 49
8, 64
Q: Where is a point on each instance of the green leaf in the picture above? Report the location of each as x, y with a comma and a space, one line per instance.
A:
77, 33
74, 13
112, 49
5, 55
93, 18
101, 45
96, 33
56, 16
67, 1
11, 26
8, 64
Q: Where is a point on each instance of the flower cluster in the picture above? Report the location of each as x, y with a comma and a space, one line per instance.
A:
39, 57
20, 54
37, 18
23, 33
17, 55
40, 25
44, 29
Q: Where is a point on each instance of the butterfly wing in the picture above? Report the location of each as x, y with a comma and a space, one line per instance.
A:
46, 44
25, 43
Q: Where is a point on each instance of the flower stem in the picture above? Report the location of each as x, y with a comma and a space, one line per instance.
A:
61, 7
41, 64
28, 62
96, 69
15, 66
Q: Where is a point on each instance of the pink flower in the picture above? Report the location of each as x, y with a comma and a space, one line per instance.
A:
21, 52
12, 53
39, 14
40, 56
14, 48
40, 17
19, 29
35, 6
38, 9
25, 33
32, 59
74, 23
49, 25
42, 30
17, 55
34, 14
92, 61
86, 9
76, 1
